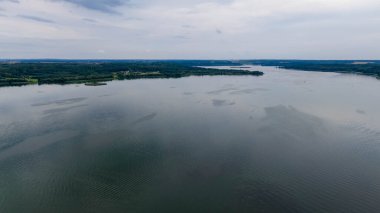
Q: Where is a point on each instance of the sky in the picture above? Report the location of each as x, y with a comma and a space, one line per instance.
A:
190, 29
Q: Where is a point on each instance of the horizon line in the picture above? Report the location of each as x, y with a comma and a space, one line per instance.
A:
126, 59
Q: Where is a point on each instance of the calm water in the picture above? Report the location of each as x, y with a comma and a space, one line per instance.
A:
289, 141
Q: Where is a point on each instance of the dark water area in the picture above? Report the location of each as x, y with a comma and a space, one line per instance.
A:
288, 141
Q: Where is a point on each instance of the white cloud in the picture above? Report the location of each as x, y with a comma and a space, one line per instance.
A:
335, 29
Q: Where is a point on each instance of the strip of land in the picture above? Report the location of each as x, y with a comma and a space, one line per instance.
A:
92, 72
362, 67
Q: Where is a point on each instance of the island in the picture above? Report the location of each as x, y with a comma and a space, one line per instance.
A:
96, 73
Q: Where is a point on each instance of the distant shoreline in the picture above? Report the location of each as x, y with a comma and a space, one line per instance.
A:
55, 71
96, 74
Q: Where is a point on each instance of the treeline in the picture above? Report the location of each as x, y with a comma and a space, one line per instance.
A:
81, 72
207, 62
369, 67
365, 69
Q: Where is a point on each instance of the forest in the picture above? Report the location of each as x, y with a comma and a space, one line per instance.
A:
65, 72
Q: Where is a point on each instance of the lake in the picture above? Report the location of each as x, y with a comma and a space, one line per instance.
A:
289, 141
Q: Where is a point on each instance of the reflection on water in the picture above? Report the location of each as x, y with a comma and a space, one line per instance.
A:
61, 102
219, 103
145, 118
62, 109
289, 141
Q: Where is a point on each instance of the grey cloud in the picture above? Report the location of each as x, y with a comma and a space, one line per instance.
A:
106, 6
89, 20
359, 111
180, 37
133, 19
35, 18
14, 1
2, 10
188, 26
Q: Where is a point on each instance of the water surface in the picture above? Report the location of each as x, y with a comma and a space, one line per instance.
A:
288, 141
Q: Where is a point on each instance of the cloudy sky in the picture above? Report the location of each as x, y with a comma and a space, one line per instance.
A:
190, 29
